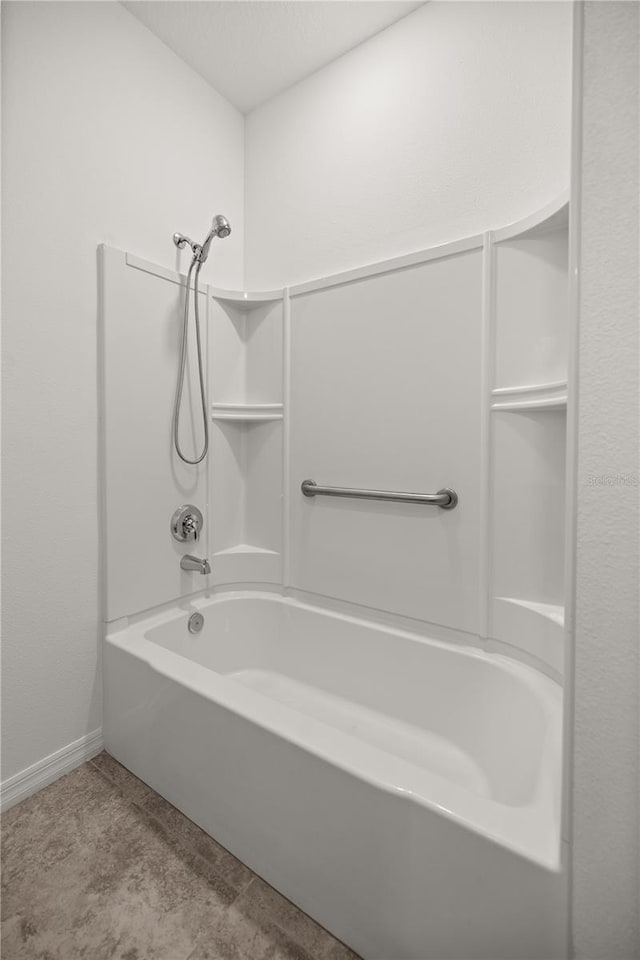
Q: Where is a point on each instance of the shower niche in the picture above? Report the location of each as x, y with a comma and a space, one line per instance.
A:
527, 308
246, 410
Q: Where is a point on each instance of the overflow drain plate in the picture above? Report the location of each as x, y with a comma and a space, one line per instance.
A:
196, 623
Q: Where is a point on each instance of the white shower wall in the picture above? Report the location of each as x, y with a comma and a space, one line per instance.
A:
107, 136
451, 121
383, 396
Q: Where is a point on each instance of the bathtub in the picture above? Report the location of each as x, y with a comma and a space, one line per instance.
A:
404, 792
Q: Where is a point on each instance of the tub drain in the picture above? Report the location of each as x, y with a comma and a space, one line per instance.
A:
196, 623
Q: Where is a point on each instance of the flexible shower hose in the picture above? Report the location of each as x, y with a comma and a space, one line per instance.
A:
181, 369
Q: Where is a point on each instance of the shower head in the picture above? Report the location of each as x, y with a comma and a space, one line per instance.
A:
219, 228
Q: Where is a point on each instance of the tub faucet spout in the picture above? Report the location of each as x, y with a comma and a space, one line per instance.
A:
195, 563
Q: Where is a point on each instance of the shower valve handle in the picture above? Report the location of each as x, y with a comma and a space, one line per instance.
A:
186, 523
190, 527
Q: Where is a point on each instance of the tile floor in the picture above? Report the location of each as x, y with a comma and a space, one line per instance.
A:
98, 866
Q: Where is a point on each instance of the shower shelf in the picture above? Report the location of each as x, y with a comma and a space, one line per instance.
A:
534, 626
543, 396
246, 412
242, 300
246, 562
550, 611
244, 549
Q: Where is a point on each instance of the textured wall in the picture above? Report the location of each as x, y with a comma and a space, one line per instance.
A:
107, 136
451, 121
605, 806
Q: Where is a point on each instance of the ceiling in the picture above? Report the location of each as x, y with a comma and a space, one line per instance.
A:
251, 50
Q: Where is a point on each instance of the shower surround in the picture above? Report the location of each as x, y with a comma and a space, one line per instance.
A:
371, 715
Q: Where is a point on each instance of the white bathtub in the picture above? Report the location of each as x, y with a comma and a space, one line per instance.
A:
402, 791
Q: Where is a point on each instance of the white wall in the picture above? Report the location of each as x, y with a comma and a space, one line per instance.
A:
107, 137
453, 120
606, 731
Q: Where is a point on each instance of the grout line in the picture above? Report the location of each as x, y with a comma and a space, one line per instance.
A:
191, 849
114, 783
182, 849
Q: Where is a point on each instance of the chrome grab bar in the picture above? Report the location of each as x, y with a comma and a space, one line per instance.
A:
446, 498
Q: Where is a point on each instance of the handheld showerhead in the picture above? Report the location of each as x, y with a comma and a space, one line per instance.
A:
220, 228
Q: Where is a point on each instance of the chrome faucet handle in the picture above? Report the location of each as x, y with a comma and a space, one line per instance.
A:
186, 523
190, 527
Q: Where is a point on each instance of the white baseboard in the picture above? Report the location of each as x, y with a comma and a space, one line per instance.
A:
45, 771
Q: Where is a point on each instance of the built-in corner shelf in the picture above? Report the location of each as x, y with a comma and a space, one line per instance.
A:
549, 219
245, 549
527, 352
244, 300
542, 396
533, 626
247, 563
551, 611
246, 412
